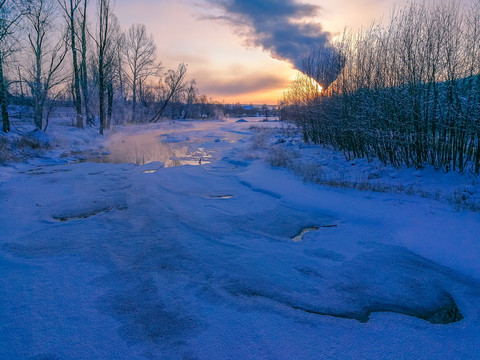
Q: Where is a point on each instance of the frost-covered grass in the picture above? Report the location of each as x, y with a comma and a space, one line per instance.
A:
61, 140
18, 146
284, 147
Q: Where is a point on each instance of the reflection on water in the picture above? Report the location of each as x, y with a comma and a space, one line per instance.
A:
145, 148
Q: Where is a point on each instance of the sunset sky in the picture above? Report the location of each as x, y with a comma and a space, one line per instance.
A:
220, 55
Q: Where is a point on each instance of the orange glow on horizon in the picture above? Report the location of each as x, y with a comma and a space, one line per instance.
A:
270, 95
274, 96
256, 98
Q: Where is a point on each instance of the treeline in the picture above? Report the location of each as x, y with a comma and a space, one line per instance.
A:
407, 93
53, 51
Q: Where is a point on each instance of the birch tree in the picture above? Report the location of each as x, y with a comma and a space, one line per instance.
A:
70, 9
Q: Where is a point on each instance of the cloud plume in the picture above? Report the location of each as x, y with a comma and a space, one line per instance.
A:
280, 27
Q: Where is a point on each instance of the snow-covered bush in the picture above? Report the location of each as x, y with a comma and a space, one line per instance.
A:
260, 138
408, 93
280, 156
308, 171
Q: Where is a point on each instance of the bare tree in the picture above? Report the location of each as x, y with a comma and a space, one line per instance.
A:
70, 8
112, 65
473, 73
120, 64
104, 44
173, 86
11, 12
140, 53
84, 80
44, 72
190, 97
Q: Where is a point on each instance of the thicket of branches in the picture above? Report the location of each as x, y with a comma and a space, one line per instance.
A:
408, 91
74, 51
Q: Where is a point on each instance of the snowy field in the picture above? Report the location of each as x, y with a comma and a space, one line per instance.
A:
201, 254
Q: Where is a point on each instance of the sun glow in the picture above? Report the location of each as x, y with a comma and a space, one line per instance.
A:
315, 85
308, 84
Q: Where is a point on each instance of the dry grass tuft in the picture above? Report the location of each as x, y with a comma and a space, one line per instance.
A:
14, 147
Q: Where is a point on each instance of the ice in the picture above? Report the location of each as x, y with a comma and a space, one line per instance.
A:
106, 261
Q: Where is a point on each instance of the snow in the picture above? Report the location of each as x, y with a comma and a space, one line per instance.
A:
115, 261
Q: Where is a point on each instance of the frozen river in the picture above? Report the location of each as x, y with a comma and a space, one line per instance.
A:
125, 258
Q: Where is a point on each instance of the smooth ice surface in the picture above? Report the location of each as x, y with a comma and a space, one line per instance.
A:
115, 261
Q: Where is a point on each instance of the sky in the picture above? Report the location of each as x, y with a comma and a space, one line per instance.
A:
228, 44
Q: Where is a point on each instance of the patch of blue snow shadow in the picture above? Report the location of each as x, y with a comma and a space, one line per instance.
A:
47, 311
263, 191
239, 163
146, 316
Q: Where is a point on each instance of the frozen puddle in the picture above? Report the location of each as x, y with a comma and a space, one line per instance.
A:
220, 196
299, 237
145, 148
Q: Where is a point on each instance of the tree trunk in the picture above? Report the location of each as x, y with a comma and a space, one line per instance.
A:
38, 95
38, 116
101, 90
159, 113
134, 100
76, 77
84, 75
3, 98
109, 103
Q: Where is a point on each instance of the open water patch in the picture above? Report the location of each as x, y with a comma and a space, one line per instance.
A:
145, 148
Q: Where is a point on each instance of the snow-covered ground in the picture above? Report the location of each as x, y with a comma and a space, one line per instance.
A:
121, 261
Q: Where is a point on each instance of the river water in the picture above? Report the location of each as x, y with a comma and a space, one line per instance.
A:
148, 147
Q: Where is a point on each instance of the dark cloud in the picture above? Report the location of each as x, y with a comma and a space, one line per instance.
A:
280, 27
